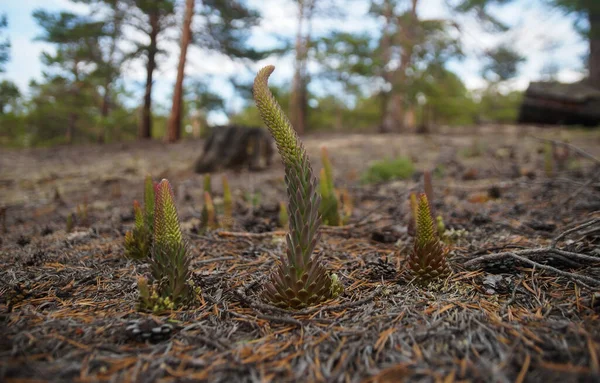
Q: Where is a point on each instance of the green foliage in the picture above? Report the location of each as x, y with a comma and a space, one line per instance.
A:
4, 44
498, 107
9, 97
300, 280
480, 9
502, 63
427, 261
446, 98
170, 261
227, 29
388, 169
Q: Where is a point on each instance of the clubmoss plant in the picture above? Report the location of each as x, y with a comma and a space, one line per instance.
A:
441, 226
207, 185
138, 242
427, 261
82, 212
170, 261
347, 206
70, 224
208, 218
300, 279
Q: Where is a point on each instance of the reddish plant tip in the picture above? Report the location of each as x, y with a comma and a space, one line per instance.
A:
164, 183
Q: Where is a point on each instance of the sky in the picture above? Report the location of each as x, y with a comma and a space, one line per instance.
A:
541, 35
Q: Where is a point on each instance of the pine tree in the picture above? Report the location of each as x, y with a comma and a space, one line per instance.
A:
4, 44
226, 26
71, 67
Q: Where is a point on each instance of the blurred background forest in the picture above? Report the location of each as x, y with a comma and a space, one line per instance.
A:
114, 70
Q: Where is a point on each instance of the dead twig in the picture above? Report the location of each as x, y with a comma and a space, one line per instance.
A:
272, 318
581, 152
342, 306
519, 255
589, 182
250, 235
479, 261
581, 279
572, 230
212, 260
563, 255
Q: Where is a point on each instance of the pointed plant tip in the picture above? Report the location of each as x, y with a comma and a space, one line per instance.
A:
164, 184
208, 200
263, 75
268, 69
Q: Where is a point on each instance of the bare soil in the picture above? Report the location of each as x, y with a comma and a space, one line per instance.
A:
68, 299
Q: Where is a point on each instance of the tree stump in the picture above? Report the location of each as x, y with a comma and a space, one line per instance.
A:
236, 147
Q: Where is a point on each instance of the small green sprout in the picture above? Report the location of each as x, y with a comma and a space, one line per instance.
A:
427, 261
170, 261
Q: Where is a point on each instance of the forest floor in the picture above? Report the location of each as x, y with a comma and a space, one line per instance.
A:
507, 313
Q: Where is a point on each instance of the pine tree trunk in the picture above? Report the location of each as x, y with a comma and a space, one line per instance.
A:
104, 110
297, 109
145, 128
174, 127
393, 116
594, 60
386, 55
